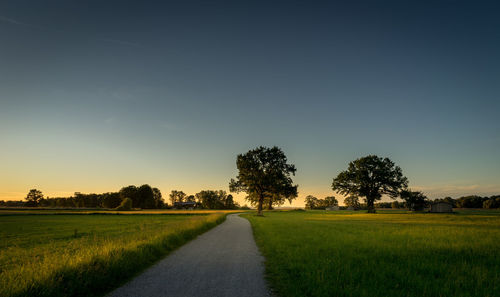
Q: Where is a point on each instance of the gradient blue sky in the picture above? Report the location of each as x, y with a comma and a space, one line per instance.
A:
96, 95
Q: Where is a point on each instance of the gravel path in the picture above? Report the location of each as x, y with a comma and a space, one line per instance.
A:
224, 261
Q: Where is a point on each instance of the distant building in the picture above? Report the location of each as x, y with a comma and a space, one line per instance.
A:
441, 207
334, 207
185, 205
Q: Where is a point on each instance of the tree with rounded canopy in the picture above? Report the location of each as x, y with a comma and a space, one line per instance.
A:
33, 198
352, 201
371, 177
311, 202
331, 201
264, 173
177, 196
414, 200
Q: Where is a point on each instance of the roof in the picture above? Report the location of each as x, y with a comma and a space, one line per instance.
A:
185, 203
441, 202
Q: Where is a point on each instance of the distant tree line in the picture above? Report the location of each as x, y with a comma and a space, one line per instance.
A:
471, 201
143, 197
315, 203
206, 199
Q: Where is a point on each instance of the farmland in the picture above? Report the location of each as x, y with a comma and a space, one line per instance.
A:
318, 253
54, 253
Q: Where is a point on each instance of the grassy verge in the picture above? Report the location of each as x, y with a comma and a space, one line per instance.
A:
87, 255
315, 253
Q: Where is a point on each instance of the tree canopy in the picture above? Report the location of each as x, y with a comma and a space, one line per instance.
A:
210, 199
177, 196
263, 173
371, 177
315, 203
33, 198
414, 200
352, 201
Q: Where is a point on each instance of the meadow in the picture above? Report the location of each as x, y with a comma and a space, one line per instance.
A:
63, 253
342, 253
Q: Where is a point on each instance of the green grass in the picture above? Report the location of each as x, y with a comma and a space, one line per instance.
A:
87, 255
318, 253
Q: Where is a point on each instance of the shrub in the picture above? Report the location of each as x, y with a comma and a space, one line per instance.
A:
125, 205
491, 203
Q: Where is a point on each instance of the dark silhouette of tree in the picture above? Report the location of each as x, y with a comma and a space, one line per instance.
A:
264, 173
315, 203
132, 193
352, 201
146, 197
280, 195
190, 198
395, 204
311, 202
159, 203
177, 196
229, 203
331, 201
110, 200
126, 204
472, 201
33, 198
370, 177
414, 200
210, 199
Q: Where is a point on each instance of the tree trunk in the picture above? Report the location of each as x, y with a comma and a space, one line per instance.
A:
259, 206
370, 203
270, 206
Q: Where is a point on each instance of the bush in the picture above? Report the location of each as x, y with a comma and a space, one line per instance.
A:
491, 203
125, 205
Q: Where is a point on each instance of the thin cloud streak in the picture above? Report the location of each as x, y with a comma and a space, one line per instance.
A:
12, 21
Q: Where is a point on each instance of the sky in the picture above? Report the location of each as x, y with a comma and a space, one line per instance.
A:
97, 95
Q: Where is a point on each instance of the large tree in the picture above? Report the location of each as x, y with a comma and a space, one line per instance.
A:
210, 199
371, 177
414, 200
264, 173
33, 198
352, 201
177, 196
311, 202
159, 203
146, 197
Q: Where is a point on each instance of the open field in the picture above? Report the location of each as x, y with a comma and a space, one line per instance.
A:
87, 255
318, 253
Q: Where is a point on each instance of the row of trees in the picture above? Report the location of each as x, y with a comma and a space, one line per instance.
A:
265, 175
472, 201
144, 197
315, 203
206, 199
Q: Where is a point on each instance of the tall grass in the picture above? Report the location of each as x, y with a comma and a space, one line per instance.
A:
356, 254
87, 255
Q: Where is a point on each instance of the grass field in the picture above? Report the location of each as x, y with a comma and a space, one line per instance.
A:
87, 255
343, 253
